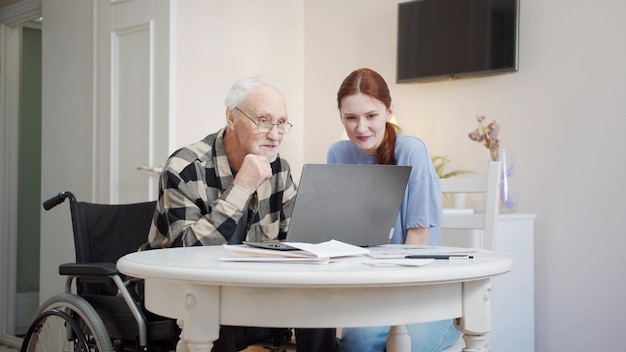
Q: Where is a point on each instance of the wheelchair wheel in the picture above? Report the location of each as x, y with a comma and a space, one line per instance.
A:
67, 323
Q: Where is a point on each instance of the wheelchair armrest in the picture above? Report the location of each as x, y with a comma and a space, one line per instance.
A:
88, 269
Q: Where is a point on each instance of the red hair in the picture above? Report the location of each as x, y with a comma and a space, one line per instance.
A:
370, 83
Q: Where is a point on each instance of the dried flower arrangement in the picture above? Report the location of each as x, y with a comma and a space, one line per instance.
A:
487, 135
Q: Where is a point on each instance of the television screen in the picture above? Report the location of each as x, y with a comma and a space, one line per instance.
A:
447, 39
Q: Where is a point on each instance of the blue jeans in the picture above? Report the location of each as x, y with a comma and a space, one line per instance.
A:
425, 337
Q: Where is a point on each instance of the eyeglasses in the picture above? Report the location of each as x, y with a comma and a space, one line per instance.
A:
264, 125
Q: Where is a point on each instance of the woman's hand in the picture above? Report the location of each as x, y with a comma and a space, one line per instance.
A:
417, 236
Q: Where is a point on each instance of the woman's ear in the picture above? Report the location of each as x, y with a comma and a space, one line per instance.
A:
389, 114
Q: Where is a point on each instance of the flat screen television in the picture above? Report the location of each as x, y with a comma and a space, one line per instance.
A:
448, 39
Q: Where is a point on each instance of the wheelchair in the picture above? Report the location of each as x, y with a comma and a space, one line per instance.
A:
106, 312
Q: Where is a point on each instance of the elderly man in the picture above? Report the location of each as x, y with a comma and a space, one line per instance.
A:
233, 186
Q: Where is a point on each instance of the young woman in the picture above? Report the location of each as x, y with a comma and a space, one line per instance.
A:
365, 111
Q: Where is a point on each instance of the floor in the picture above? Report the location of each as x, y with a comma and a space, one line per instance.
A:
249, 349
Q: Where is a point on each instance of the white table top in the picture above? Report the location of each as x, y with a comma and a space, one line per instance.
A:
202, 292
202, 265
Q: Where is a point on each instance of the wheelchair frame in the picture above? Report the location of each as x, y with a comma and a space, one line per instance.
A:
69, 322
75, 322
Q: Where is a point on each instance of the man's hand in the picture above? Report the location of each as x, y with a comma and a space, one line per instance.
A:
254, 170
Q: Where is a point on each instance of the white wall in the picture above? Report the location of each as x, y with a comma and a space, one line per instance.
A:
67, 130
219, 42
562, 116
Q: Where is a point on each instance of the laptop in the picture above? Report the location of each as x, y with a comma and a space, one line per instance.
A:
354, 204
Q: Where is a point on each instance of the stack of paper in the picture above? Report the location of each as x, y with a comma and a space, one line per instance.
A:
399, 251
307, 253
398, 262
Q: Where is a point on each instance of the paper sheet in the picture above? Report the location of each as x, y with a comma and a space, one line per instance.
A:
308, 253
398, 262
291, 260
400, 252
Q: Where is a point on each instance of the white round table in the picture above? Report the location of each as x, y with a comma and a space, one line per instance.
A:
192, 285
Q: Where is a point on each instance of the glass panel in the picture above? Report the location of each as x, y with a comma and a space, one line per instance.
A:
29, 176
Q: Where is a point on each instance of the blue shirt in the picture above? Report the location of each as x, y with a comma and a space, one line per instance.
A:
421, 205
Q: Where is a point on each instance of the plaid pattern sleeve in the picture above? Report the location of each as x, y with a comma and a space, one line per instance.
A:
199, 204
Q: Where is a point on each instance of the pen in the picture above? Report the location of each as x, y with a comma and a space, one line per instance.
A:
439, 256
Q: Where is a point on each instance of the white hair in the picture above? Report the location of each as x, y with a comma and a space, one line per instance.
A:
244, 86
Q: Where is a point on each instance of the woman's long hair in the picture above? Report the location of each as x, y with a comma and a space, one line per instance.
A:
371, 83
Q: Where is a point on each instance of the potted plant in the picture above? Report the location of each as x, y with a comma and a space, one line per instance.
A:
440, 163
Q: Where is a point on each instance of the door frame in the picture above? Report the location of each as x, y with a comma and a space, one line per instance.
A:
11, 19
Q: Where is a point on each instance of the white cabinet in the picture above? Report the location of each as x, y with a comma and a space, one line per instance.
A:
513, 309
513, 325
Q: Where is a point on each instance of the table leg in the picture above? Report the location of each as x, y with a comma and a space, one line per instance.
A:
398, 339
181, 345
475, 343
475, 324
200, 325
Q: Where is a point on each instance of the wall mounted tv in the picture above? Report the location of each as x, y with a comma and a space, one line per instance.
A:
447, 39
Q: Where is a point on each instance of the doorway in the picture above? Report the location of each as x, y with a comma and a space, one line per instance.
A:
29, 181
20, 110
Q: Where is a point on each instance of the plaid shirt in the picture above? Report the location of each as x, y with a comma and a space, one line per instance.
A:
199, 204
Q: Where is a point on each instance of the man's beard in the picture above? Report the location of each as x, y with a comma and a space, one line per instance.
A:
271, 156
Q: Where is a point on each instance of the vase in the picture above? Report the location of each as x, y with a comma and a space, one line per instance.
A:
507, 202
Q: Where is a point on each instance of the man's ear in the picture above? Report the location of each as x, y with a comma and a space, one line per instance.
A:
230, 118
